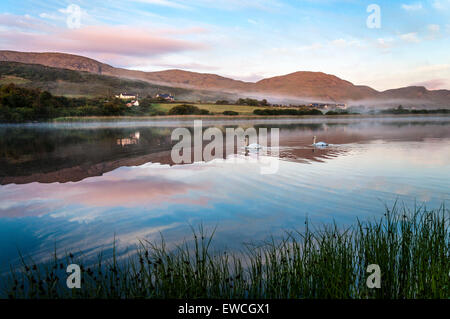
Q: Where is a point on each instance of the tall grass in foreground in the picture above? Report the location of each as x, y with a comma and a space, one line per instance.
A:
411, 248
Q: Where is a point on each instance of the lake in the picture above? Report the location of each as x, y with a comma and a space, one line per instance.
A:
78, 186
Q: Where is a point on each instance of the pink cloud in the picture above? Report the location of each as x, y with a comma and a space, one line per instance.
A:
188, 66
126, 44
99, 192
100, 39
25, 22
127, 193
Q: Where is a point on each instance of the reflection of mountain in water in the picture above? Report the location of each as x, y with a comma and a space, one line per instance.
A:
48, 155
63, 155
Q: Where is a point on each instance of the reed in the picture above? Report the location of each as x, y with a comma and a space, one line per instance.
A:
411, 248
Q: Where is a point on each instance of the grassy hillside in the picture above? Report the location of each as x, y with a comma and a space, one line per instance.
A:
7, 79
212, 108
76, 83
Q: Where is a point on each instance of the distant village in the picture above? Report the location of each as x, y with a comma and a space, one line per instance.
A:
134, 98
328, 106
134, 101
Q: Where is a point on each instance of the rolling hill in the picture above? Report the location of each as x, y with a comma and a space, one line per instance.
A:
60, 81
304, 86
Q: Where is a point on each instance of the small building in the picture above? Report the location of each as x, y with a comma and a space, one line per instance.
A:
167, 97
125, 96
133, 103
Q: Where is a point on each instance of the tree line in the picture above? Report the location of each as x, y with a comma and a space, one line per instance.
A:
18, 104
401, 110
246, 101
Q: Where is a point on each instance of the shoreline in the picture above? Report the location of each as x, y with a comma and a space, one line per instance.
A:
92, 122
225, 117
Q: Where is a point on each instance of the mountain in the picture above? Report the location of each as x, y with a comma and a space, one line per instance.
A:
305, 86
416, 93
317, 85
67, 82
57, 60
80, 63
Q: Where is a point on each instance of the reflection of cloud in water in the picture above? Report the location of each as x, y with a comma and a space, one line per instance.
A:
75, 154
128, 193
125, 187
366, 167
148, 185
430, 153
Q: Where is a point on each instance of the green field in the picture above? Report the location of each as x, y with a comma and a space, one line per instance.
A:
6, 79
212, 108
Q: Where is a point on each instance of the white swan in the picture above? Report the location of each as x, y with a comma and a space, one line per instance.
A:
320, 144
252, 146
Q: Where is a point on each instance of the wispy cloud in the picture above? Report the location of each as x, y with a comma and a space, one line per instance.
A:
51, 16
433, 68
311, 47
385, 43
433, 84
221, 4
188, 66
435, 28
345, 43
236, 4
115, 43
241, 37
165, 3
412, 7
23, 22
326, 45
410, 37
441, 4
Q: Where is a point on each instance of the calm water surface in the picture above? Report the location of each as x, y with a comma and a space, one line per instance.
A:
78, 186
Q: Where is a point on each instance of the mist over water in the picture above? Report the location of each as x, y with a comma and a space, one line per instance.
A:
78, 185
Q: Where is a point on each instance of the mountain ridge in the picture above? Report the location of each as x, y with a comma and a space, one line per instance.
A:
305, 85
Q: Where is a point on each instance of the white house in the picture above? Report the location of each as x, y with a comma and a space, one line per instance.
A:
167, 97
133, 103
125, 96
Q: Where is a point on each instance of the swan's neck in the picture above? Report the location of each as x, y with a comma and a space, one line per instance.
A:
246, 141
314, 140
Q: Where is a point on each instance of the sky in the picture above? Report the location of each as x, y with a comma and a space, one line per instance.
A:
381, 43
